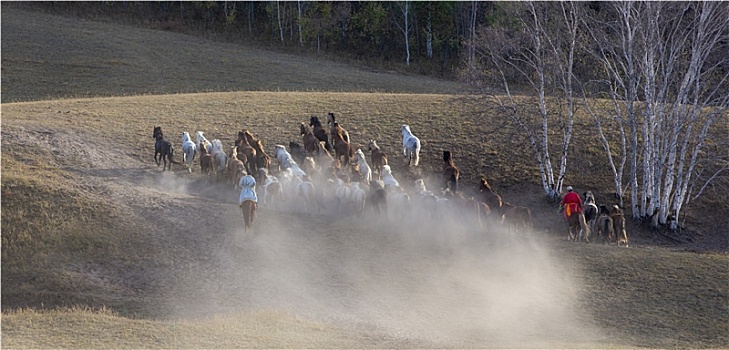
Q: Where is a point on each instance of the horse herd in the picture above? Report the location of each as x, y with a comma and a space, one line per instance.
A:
326, 166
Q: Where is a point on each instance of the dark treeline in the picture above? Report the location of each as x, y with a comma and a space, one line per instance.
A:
421, 37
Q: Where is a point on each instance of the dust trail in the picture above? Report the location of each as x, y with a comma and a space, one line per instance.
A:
412, 277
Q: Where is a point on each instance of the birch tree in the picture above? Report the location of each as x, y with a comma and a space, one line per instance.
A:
404, 27
542, 55
665, 63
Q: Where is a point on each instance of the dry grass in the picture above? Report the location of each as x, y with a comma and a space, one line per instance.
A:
86, 217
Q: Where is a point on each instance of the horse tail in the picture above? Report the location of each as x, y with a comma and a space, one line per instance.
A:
585, 227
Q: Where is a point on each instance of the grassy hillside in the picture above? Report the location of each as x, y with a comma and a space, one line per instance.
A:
89, 223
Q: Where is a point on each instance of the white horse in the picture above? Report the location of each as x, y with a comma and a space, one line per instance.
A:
272, 189
200, 138
343, 194
410, 145
364, 168
359, 198
306, 191
390, 182
188, 150
285, 160
219, 155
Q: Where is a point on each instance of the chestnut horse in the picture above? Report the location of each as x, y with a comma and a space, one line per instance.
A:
575, 223
619, 225
378, 157
263, 160
491, 198
451, 173
207, 161
517, 216
342, 148
336, 128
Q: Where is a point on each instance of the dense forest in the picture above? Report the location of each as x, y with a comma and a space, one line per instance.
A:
656, 74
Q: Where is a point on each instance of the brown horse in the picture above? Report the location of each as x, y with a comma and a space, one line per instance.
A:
377, 199
576, 223
246, 149
517, 216
263, 160
248, 207
451, 173
342, 148
618, 217
468, 208
320, 133
311, 143
207, 161
336, 128
236, 167
378, 157
604, 228
492, 199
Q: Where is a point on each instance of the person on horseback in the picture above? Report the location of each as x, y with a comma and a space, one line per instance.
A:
571, 203
248, 191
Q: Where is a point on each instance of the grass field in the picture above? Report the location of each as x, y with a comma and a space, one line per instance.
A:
100, 249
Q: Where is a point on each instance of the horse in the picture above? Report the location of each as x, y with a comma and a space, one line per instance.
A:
272, 189
246, 149
387, 178
306, 191
359, 198
262, 159
364, 168
200, 139
163, 149
188, 150
576, 221
517, 216
590, 208
342, 148
298, 152
604, 228
378, 157
343, 194
220, 157
320, 133
451, 173
410, 145
377, 199
285, 160
236, 167
207, 161
618, 217
311, 143
248, 200
491, 198
336, 128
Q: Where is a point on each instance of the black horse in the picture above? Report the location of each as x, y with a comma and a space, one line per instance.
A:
162, 149
320, 132
298, 152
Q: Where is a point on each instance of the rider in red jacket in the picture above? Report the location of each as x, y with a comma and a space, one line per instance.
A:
571, 203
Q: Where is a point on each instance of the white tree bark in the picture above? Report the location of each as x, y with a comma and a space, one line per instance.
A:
405, 27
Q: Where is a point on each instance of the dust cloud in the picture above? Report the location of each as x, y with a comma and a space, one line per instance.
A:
411, 275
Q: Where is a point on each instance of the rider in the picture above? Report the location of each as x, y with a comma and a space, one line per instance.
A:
248, 191
571, 203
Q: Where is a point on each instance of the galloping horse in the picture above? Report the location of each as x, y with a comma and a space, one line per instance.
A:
342, 148
320, 133
188, 150
336, 128
491, 199
263, 160
378, 157
311, 143
364, 168
207, 161
246, 149
576, 223
517, 216
410, 145
248, 200
451, 173
619, 225
162, 148
590, 208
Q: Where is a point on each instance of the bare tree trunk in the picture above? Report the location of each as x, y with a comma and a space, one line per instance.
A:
301, 34
429, 35
405, 28
280, 25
